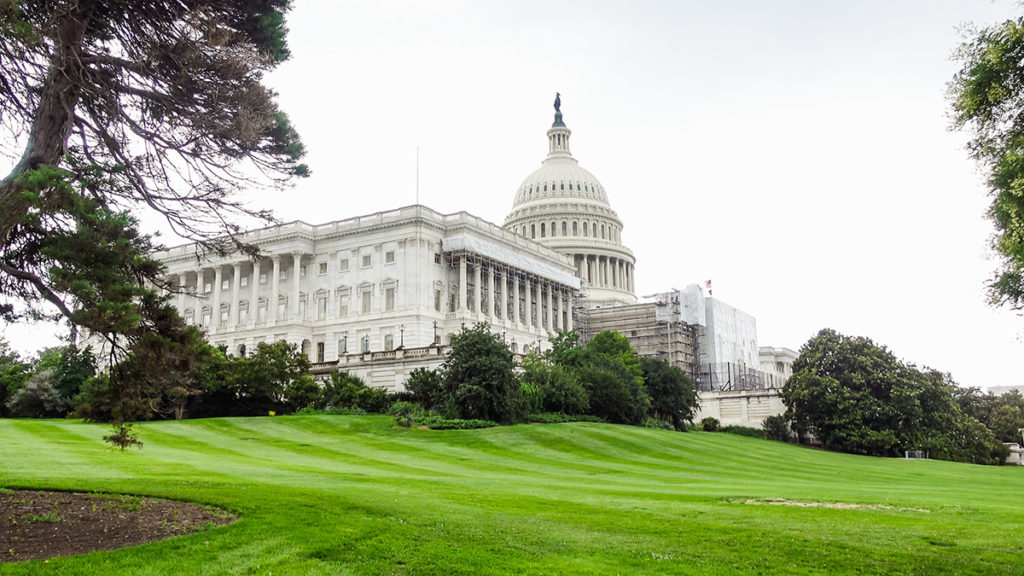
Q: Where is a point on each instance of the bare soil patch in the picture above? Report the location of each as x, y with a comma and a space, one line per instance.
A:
36, 525
837, 505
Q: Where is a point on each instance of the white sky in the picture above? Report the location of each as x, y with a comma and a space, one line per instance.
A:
794, 152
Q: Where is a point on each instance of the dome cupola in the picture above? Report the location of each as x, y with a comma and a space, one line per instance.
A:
564, 207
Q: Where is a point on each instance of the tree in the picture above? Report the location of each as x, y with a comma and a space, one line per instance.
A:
274, 378
987, 96
344, 390
856, 396
478, 376
610, 354
558, 387
13, 374
126, 105
38, 398
673, 397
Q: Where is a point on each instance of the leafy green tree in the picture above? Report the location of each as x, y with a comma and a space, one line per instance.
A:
14, 372
127, 106
565, 349
855, 396
478, 376
987, 96
274, 378
76, 366
1006, 418
426, 388
611, 353
608, 390
344, 390
558, 387
38, 398
673, 398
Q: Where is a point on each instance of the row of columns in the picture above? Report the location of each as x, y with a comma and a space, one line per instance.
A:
605, 271
552, 300
236, 294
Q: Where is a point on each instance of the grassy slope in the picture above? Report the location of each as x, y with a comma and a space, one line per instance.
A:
356, 495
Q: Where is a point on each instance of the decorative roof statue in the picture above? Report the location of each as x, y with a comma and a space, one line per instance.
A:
558, 102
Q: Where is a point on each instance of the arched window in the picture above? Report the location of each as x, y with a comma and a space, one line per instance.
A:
564, 229
563, 185
545, 187
553, 230
586, 229
533, 230
541, 229
575, 228
602, 231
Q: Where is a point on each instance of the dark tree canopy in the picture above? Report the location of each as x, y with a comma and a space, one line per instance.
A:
126, 106
855, 396
987, 96
478, 376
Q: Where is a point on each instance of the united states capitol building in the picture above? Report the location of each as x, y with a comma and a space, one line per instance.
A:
382, 294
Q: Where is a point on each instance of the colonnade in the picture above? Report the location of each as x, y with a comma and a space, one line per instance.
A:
501, 295
605, 271
223, 305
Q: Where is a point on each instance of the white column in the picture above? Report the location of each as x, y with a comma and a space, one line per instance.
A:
275, 290
490, 293
476, 288
462, 283
503, 301
515, 299
568, 314
586, 269
236, 293
293, 300
218, 276
254, 293
528, 303
550, 313
182, 285
560, 319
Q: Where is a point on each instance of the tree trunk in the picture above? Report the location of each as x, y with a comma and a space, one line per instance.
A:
51, 127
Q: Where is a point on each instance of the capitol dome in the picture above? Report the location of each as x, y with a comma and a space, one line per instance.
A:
564, 207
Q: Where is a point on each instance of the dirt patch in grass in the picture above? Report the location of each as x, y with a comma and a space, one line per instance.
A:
838, 505
37, 525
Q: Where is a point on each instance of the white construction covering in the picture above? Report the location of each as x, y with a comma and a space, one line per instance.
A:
515, 258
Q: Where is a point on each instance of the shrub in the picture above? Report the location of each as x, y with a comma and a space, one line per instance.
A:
776, 428
404, 413
38, 398
743, 431
123, 437
710, 424
558, 418
425, 388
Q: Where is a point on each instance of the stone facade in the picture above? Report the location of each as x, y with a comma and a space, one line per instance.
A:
399, 280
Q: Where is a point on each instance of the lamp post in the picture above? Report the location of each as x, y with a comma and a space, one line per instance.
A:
435, 332
344, 342
401, 331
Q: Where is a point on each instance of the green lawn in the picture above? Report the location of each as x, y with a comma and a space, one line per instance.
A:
357, 495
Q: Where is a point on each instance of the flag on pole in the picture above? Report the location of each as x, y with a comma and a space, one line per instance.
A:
707, 284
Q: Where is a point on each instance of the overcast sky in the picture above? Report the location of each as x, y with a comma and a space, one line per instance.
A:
795, 153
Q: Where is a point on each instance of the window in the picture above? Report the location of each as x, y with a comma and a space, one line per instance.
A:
564, 229
437, 257
207, 287
321, 308
261, 313
322, 268
575, 229
225, 284
225, 313
542, 230
245, 281
437, 300
243, 316
343, 265
319, 351
389, 257
367, 301
533, 230
554, 232
389, 342
585, 233
302, 308
343, 346
302, 271
263, 277
343, 305
206, 318
367, 260
389, 299
364, 344
282, 309
284, 274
